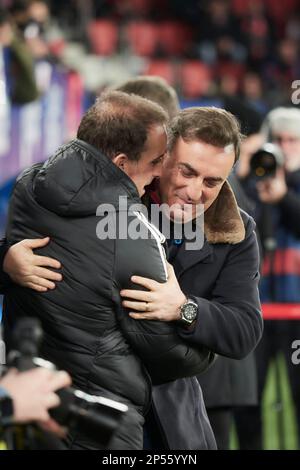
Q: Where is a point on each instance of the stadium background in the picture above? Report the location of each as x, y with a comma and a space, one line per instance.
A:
239, 54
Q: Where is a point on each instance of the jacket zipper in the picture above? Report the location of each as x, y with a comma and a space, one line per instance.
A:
158, 237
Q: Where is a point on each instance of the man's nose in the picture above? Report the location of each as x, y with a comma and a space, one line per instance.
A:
194, 192
157, 171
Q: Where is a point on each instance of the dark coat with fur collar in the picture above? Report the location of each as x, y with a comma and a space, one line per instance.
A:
222, 278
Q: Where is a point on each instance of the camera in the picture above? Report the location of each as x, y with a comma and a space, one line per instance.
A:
97, 417
265, 161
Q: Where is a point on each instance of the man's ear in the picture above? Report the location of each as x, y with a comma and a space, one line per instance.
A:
121, 161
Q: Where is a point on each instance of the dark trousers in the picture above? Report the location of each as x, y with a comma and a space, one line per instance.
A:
220, 420
154, 438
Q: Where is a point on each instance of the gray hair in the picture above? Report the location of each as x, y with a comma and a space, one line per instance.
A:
282, 119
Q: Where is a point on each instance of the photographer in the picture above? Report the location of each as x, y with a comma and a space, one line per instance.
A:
277, 197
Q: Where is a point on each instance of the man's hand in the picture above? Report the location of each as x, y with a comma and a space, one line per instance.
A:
33, 394
25, 268
161, 302
272, 190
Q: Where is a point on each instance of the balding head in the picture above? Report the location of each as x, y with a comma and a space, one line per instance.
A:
119, 123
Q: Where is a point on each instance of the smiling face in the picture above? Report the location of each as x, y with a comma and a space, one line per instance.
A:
193, 174
148, 167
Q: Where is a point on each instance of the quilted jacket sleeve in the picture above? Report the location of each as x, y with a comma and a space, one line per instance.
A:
165, 355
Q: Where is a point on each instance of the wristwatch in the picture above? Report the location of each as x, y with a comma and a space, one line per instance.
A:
6, 408
188, 312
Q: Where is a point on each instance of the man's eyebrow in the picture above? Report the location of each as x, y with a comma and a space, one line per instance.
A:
189, 167
216, 179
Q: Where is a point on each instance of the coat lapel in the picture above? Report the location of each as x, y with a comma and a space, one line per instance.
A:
187, 258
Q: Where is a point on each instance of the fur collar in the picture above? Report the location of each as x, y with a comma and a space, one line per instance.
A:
222, 220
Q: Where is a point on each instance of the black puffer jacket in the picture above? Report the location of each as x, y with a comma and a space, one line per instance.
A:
86, 331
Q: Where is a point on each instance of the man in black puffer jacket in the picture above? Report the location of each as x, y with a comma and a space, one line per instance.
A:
72, 198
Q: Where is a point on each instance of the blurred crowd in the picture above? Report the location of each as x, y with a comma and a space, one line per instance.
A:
204, 49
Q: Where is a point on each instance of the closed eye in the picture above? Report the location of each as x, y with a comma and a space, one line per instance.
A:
186, 173
213, 182
158, 160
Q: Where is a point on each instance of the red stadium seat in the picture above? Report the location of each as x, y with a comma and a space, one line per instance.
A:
174, 37
281, 10
162, 68
195, 78
230, 68
142, 37
141, 7
103, 36
240, 7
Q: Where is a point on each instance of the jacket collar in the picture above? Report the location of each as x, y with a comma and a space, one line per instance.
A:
78, 178
111, 173
222, 220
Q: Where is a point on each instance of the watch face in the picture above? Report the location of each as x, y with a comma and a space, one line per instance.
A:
189, 311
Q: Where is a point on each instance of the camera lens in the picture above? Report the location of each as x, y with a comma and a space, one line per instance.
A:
265, 161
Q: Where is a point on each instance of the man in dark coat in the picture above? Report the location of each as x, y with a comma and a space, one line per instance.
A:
222, 277
238, 377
